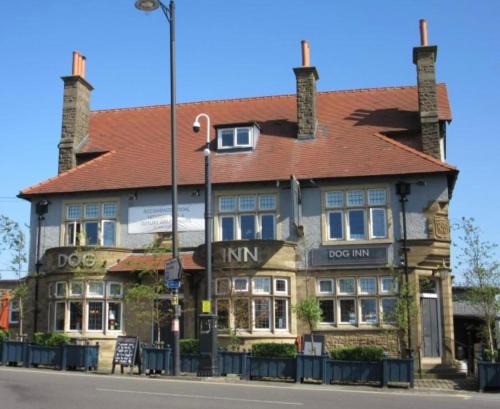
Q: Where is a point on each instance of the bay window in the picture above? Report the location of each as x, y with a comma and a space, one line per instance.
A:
356, 214
75, 315
262, 313
95, 316
247, 217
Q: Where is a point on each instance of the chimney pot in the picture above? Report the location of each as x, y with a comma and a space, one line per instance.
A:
75, 62
306, 54
83, 66
423, 33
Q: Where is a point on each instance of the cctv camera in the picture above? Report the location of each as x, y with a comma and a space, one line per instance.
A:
196, 126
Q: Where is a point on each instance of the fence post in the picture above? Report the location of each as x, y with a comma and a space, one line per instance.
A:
385, 373
298, 367
64, 357
26, 354
3, 353
247, 373
412, 374
326, 370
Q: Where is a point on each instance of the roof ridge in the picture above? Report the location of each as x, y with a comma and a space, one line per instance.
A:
67, 172
255, 98
415, 151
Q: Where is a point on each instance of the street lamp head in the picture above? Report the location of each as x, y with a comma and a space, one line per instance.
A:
206, 152
147, 5
196, 126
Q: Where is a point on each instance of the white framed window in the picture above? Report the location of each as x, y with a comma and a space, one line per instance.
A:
388, 310
222, 310
356, 224
222, 286
59, 316
240, 284
60, 289
14, 311
51, 290
336, 225
327, 307
388, 285
261, 285
334, 199
95, 315
236, 137
367, 285
114, 314
280, 314
241, 313
262, 313
247, 203
76, 288
378, 226
347, 286
368, 310
347, 308
227, 204
115, 290
281, 286
95, 289
267, 226
267, 202
75, 315
74, 211
227, 228
325, 286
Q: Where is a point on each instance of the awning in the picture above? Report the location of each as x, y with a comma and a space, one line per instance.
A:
4, 311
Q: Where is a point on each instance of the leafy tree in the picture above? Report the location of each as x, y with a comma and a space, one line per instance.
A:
308, 310
481, 272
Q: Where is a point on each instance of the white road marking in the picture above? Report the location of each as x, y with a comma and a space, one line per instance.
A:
180, 395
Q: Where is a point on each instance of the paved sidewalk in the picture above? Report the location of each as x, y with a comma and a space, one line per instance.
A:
462, 384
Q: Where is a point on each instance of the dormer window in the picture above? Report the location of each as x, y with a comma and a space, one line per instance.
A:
237, 137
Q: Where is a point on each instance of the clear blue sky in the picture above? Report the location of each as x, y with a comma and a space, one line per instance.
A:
243, 48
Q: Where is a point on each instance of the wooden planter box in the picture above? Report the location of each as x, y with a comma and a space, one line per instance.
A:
488, 374
190, 363
281, 368
13, 353
398, 371
232, 362
157, 359
46, 356
311, 367
85, 357
354, 371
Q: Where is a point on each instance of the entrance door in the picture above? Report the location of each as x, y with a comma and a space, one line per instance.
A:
430, 327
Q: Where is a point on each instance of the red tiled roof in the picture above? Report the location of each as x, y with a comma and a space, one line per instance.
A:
137, 141
153, 262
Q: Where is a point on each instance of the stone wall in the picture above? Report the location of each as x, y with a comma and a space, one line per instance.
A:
386, 339
306, 101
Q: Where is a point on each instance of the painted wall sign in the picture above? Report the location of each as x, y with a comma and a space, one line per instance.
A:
345, 256
74, 260
156, 219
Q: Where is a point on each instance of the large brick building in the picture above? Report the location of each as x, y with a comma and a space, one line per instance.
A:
305, 199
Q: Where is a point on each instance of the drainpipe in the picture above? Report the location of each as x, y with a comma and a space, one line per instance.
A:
42, 207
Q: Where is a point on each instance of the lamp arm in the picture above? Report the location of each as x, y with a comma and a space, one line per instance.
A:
203, 115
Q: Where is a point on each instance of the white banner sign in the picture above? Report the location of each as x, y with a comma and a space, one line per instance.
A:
156, 219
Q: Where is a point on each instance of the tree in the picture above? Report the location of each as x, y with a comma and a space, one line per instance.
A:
309, 311
481, 272
13, 240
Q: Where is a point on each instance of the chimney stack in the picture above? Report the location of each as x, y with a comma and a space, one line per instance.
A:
424, 57
76, 109
306, 95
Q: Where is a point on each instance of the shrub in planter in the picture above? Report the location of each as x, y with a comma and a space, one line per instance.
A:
189, 346
50, 340
40, 338
365, 353
488, 354
272, 350
4, 334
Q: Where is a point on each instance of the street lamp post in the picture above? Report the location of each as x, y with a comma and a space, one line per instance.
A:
208, 319
169, 12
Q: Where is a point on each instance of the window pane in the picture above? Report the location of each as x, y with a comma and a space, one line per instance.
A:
369, 310
241, 313
262, 285
96, 289
76, 288
222, 286
280, 313
267, 202
346, 285
347, 311
91, 233
60, 289
227, 136
115, 290
267, 221
248, 203
108, 234
114, 316
227, 204
75, 316
378, 223
262, 312
95, 316
335, 226
222, 314
92, 211
356, 224
334, 199
240, 284
376, 197
73, 231
280, 285
388, 309
388, 284
242, 136
326, 286
60, 309
327, 310
227, 224
73, 212
247, 225
355, 198
109, 210
368, 285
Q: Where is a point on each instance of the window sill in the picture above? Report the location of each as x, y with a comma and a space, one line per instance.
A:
328, 242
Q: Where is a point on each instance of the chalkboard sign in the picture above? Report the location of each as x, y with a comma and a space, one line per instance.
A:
127, 353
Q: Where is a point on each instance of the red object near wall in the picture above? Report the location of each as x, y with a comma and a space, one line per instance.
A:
4, 312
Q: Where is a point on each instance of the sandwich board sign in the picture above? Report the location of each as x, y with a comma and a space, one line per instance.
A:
127, 353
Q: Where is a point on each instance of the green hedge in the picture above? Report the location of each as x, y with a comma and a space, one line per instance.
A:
189, 346
487, 355
50, 339
272, 350
357, 354
4, 334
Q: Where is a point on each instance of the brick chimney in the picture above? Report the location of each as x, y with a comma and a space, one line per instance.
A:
76, 108
425, 58
306, 96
